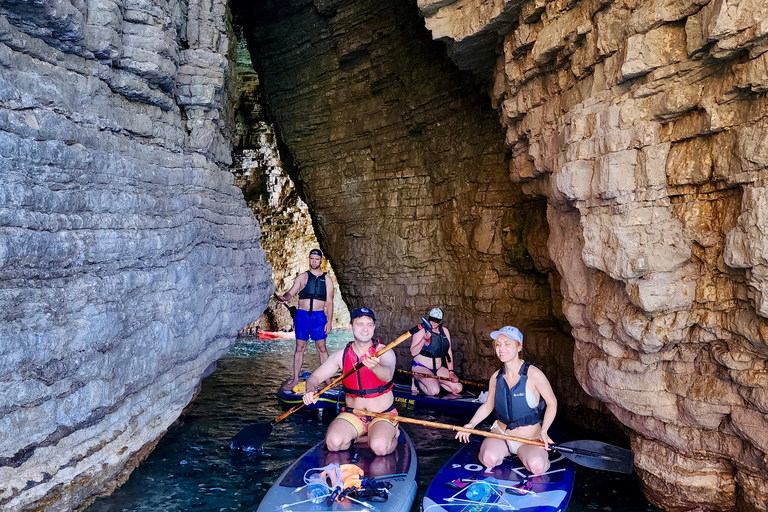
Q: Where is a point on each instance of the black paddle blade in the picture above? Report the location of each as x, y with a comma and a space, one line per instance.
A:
597, 455
252, 437
292, 311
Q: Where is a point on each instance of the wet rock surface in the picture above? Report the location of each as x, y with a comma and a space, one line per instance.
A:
128, 259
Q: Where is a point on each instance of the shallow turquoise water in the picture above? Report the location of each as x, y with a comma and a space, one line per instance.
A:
193, 468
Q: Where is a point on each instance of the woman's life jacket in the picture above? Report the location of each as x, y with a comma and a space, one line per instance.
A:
363, 383
437, 347
511, 405
314, 289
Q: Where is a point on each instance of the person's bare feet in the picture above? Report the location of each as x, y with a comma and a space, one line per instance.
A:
289, 384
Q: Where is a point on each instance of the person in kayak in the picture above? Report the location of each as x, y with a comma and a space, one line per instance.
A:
524, 403
314, 317
369, 388
433, 355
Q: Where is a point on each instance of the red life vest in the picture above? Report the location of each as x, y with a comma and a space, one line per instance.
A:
363, 383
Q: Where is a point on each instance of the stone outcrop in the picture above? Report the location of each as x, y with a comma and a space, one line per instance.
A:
128, 258
643, 124
606, 193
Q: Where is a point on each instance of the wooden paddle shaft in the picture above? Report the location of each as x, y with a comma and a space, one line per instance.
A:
445, 426
483, 385
337, 380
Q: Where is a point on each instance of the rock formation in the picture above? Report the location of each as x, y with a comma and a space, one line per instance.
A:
128, 258
605, 193
643, 124
401, 162
625, 200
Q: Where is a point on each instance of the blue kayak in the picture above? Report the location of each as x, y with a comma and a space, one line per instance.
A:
462, 405
398, 470
463, 485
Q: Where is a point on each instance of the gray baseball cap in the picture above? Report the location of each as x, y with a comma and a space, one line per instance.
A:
510, 332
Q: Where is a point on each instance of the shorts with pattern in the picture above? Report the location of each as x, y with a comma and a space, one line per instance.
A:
363, 423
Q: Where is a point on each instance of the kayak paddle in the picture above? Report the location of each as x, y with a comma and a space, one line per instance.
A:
253, 436
591, 454
483, 385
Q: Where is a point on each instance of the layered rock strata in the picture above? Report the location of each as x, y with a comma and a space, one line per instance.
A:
643, 124
128, 258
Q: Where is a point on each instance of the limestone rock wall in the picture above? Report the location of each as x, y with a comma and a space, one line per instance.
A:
401, 161
643, 124
128, 259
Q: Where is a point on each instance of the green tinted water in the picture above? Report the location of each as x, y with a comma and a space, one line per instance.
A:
193, 468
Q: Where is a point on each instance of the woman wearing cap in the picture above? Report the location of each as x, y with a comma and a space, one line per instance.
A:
524, 403
432, 355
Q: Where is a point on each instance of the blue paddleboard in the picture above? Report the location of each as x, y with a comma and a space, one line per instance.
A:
515, 488
399, 468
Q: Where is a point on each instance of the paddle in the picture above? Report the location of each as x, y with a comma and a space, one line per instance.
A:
483, 385
291, 309
253, 436
591, 454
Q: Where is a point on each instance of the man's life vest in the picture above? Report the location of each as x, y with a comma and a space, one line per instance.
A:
314, 289
437, 347
363, 383
511, 405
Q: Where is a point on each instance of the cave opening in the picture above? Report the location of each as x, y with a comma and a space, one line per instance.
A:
401, 160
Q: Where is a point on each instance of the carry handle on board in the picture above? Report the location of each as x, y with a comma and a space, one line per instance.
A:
591, 454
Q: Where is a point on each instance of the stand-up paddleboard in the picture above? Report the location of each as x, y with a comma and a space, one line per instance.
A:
463, 485
399, 468
459, 405
331, 399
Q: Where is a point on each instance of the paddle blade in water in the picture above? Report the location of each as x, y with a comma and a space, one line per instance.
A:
597, 455
252, 437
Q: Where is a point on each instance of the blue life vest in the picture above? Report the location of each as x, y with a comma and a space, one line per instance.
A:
314, 289
511, 406
437, 347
